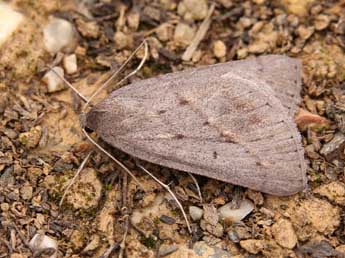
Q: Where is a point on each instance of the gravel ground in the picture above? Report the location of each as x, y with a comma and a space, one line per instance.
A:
105, 213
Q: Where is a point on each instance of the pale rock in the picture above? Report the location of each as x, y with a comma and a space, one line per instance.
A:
226, 212
133, 20
305, 32
122, 40
26, 192
319, 214
31, 138
258, 48
284, 233
93, 245
59, 35
200, 250
70, 64
88, 29
16, 255
40, 242
322, 21
333, 148
334, 191
242, 53
53, 81
164, 32
253, 246
9, 21
86, 192
195, 213
219, 49
77, 239
193, 9
183, 34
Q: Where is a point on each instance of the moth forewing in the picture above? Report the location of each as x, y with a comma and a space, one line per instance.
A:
224, 121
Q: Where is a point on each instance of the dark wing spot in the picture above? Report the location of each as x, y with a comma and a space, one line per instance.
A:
179, 136
183, 101
206, 123
295, 81
215, 154
161, 111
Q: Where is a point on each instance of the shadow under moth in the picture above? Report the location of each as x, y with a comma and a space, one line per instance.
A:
232, 122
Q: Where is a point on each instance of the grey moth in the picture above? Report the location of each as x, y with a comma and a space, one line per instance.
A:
232, 122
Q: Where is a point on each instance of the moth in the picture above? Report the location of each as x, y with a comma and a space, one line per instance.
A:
231, 122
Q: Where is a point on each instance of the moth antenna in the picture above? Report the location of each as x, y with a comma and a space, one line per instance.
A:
106, 84
81, 96
81, 167
197, 186
113, 159
171, 193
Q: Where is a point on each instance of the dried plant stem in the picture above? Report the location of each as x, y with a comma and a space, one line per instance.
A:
81, 167
166, 187
200, 34
197, 186
123, 242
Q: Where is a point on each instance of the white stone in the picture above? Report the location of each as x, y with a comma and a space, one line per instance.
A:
53, 81
70, 64
59, 35
226, 212
195, 213
184, 34
9, 21
40, 242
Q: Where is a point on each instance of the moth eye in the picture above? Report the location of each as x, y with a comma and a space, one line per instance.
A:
88, 130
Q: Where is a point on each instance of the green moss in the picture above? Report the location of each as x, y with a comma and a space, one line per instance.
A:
149, 242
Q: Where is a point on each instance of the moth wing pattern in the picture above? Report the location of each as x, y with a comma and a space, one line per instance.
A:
216, 121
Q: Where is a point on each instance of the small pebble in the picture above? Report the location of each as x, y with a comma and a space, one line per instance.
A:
195, 213
93, 245
133, 20
122, 40
334, 191
40, 242
59, 34
9, 21
31, 138
165, 250
53, 81
26, 192
70, 63
322, 21
334, 148
219, 49
305, 32
284, 233
88, 29
4, 206
16, 255
183, 34
193, 9
167, 220
226, 212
